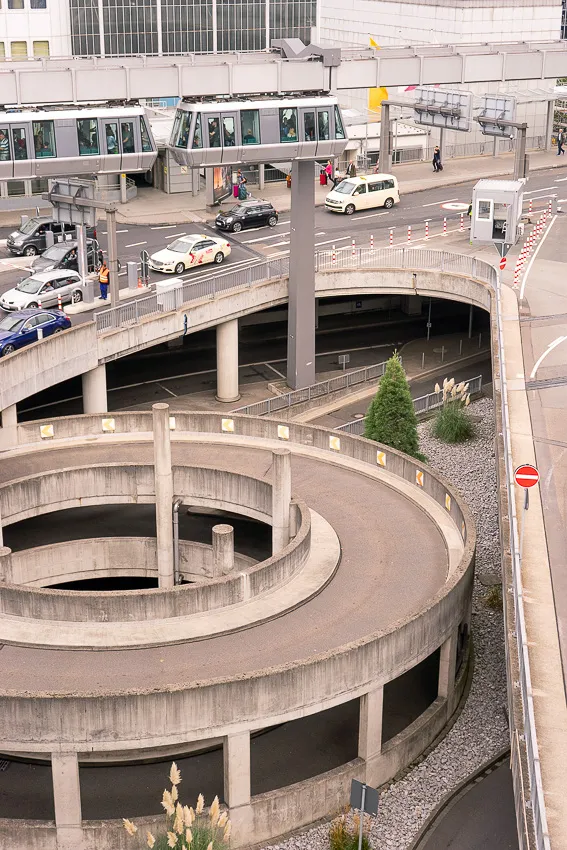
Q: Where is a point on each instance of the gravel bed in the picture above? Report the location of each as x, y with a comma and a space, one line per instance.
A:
481, 729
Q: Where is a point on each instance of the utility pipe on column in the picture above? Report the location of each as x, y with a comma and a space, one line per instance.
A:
163, 475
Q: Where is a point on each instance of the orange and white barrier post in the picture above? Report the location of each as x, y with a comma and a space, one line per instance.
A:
462, 224
334, 256
409, 234
391, 238
530, 207
427, 229
371, 241
59, 303
353, 249
444, 227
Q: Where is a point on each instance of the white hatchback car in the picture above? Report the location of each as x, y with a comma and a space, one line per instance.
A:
43, 290
195, 249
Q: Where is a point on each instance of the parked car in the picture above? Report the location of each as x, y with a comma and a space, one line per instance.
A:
22, 328
42, 289
195, 249
249, 214
29, 239
64, 256
363, 193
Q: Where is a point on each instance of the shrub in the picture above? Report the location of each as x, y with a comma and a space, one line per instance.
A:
391, 416
343, 835
186, 828
494, 598
452, 424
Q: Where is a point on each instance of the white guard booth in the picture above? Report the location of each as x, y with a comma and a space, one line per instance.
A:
496, 211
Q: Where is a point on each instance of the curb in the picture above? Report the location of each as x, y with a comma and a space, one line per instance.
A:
454, 796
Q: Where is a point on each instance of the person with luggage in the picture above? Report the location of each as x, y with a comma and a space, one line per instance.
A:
242, 190
437, 166
323, 177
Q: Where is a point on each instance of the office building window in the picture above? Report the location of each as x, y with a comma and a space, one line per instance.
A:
41, 48
241, 25
19, 50
15, 4
38, 4
85, 35
130, 27
292, 19
187, 26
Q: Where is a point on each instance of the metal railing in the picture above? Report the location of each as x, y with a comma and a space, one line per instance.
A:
211, 284
322, 388
421, 405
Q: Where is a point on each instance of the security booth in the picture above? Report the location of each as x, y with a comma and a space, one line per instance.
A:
496, 211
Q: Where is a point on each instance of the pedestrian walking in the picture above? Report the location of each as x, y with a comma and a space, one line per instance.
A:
329, 170
560, 142
351, 170
103, 281
437, 166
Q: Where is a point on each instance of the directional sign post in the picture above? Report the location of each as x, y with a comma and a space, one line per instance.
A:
502, 264
364, 798
525, 476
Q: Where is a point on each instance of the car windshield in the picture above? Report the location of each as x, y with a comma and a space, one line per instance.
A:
10, 323
56, 252
31, 285
29, 226
237, 210
345, 188
181, 246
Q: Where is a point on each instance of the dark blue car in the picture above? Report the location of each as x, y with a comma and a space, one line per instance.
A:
27, 326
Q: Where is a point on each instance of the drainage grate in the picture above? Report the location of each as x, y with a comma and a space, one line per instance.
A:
4, 765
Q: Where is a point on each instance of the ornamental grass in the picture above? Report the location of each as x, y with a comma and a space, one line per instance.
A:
185, 827
452, 424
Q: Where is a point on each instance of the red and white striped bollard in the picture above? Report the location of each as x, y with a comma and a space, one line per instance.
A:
462, 224
353, 249
334, 256
427, 229
59, 303
409, 233
391, 238
530, 207
371, 241
444, 227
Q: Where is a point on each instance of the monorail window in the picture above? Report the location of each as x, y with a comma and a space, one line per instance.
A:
146, 142
309, 126
214, 132
44, 139
4, 145
111, 133
87, 131
323, 117
339, 129
228, 134
183, 126
250, 125
197, 135
288, 125
127, 131
19, 143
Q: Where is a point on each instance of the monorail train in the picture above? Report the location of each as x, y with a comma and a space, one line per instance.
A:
67, 142
234, 132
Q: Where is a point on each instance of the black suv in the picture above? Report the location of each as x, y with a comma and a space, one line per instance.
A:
64, 256
29, 240
249, 214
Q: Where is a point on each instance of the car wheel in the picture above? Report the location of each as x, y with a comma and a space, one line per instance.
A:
272, 221
179, 268
8, 349
58, 331
349, 209
388, 203
236, 227
76, 297
219, 257
32, 305
30, 251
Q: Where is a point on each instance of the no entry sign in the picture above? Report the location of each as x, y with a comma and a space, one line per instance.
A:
526, 475
503, 263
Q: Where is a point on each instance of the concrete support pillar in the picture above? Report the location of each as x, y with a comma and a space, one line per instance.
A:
301, 287
94, 390
549, 124
227, 361
223, 550
370, 724
411, 305
163, 475
447, 664
5, 562
261, 176
9, 430
236, 754
67, 799
123, 189
281, 499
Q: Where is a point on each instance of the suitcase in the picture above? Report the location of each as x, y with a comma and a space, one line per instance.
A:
242, 192
235, 191
323, 178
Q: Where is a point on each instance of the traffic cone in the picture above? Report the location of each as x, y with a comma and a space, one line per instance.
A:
140, 284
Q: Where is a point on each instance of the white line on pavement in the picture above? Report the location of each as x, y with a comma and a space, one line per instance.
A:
332, 241
536, 252
165, 389
274, 370
176, 235
321, 233
165, 227
275, 244
262, 238
543, 189
105, 232
549, 349
561, 179
133, 244
371, 215
438, 203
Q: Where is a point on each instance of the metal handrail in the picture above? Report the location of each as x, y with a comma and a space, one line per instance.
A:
211, 284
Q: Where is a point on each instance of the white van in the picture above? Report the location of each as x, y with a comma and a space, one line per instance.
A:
363, 193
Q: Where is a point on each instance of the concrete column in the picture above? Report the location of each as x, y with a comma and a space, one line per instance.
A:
261, 176
9, 430
370, 724
5, 562
223, 550
163, 476
301, 288
384, 156
94, 390
281, 499
447, 664
227, 361
67, 799
123, 189
236, 755
549, 124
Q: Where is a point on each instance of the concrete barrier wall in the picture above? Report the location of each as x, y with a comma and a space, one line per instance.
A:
101, 557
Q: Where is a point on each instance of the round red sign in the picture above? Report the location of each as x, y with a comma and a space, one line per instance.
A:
526, 475
503, 263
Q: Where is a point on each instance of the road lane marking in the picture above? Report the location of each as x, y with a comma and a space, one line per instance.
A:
165, 227
165, 389
275, 370
275, 244
438, 203
371, 215
133, 244
536, 252
105, 232
332, 241
548, 350
543, 189
261, 238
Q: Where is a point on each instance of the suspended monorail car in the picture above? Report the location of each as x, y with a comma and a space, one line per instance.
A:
234, 132
67, 142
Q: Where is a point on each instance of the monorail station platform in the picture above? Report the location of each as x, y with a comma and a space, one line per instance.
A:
355, 625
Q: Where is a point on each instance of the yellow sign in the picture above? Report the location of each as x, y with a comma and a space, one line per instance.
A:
108, 425
228, 426
419, 477
45, 431
283, 432
381, 458
447, 501
335, 443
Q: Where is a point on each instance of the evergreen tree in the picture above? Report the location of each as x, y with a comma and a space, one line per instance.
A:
391, 418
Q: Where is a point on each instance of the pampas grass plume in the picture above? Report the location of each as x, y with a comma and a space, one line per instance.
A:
174, 774
130, 827
200, 804
151, 840
171, 839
